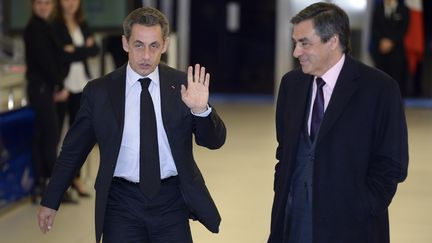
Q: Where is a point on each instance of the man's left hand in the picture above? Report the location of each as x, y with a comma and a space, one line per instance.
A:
196, 95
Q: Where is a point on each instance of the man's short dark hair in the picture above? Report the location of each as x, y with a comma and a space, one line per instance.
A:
328, 20
146, 16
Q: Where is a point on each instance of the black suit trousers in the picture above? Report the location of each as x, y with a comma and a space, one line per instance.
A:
132, 217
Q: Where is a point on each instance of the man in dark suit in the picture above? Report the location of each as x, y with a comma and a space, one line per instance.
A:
110, 116
390, 20
342, 139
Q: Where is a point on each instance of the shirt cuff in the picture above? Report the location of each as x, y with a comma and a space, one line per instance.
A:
203, 114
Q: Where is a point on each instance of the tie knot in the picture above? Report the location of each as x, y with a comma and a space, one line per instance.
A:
145, 82
320, 82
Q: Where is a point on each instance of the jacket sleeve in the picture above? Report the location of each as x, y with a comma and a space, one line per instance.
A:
280, 106
78, 143
80, 53
45, 55
209, 131
389, 161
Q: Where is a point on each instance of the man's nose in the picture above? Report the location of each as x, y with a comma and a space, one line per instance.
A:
146, 53
297, 51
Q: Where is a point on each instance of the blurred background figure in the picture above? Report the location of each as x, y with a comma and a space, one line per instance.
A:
77, 39
390, 21
45, 76
415, 46
113, 42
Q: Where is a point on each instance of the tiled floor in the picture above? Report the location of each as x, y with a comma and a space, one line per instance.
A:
239, 177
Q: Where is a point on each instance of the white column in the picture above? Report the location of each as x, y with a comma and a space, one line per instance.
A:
183, 29
283, 46
149, 3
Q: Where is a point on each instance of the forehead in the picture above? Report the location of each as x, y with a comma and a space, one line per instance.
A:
146, 33
304, 31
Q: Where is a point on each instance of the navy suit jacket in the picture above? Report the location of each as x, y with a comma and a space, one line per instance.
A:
361, 154
100, 120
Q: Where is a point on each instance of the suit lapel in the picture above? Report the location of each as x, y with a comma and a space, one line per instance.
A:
346, 86
116, 90
297, 106
169, 89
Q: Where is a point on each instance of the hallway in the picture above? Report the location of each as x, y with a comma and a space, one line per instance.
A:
240, 178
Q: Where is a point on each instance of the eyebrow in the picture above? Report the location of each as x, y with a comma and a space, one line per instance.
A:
140, 42
304, 39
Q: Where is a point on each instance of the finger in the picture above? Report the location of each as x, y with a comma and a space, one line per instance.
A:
50, 222
207, 80
189, 74
41, 224
183, 93
41, 220
196, 73
202, 74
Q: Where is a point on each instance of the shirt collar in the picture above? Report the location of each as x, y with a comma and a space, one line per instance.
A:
331, 76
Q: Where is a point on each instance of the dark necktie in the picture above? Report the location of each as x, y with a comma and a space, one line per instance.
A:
318, 109
149, 152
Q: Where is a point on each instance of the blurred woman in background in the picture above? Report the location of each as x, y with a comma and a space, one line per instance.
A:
45, 74
76, 38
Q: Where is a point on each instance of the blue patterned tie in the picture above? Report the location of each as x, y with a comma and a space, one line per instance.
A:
149, 151
318, 109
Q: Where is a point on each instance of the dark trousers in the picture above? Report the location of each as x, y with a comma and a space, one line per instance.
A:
46, 132
70, 108
132, 217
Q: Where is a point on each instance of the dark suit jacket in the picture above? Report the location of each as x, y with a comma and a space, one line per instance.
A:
100, 120
361, 154
44, 55
81, 53
394, 28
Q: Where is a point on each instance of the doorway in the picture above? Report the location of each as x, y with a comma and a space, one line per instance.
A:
235, 41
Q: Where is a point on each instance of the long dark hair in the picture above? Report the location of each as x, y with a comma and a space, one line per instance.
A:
59, 15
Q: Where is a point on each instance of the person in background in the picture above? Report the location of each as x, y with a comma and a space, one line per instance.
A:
342, 139
390, 22
77, 39
144, 117
45, 75
113, 42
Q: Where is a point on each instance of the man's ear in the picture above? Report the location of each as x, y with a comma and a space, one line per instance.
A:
125, 44
166, 45
334, 42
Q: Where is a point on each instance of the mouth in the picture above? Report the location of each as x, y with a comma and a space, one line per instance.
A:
302, 61
144, 65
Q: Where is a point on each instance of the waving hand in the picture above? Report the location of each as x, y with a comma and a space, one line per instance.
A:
196, 95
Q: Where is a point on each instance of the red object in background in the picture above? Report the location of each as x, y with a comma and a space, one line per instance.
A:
414, 40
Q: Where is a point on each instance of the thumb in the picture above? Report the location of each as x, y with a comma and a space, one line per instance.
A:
183, 91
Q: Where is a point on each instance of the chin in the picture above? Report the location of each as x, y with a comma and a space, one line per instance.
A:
305, 70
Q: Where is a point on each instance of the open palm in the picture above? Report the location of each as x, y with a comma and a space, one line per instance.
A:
196, 94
